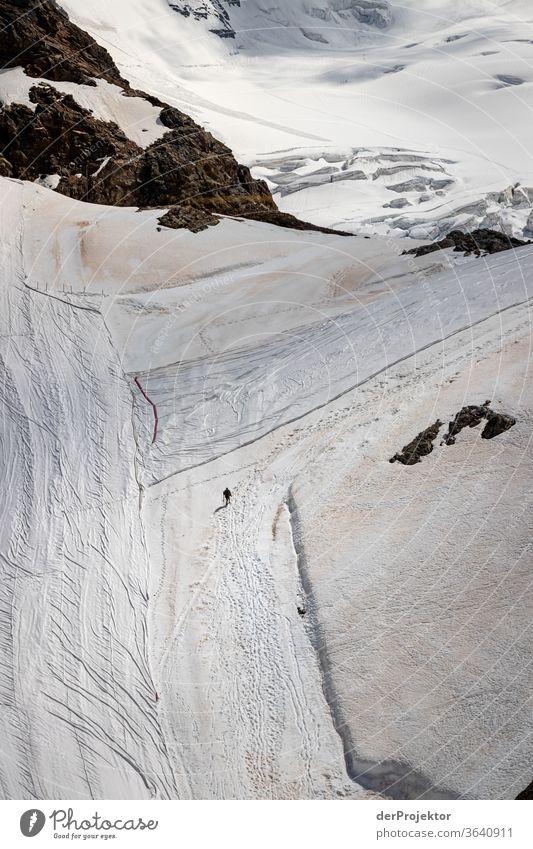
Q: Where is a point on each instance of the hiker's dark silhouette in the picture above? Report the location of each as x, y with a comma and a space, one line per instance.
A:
227, 496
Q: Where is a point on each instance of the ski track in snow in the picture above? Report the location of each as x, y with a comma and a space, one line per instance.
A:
249, 701
152, 645
209, 407
227, 595
151, 640
79, 717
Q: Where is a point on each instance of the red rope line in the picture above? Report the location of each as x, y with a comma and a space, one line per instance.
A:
153, 406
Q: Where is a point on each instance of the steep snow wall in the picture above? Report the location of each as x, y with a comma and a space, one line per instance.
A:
78, 716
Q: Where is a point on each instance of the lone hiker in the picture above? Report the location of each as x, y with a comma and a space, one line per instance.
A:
227, 496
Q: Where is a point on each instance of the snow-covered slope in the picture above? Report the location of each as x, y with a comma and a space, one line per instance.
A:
416, 582
414, 127
152, 641
79, 715
346, 625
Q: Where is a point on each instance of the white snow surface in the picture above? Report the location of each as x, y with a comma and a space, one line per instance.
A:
345, 626
79, 717
344, 112
151, 639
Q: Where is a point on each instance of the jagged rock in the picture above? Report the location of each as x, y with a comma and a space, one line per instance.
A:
476, 242
41, 38
469, 416
61, 137
497, 423
5, 167
376, 13
187, 217
420, 446
188, 169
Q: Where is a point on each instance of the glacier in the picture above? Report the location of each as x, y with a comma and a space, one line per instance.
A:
347, 628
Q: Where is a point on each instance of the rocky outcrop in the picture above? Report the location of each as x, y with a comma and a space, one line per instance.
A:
187, 170
476, 242
41, 38
98, 163
377, 13
212, 11
421, 446
469, 416
218, 15
497, 423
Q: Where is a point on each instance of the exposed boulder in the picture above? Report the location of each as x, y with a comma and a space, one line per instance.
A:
421, 446
476, 242
469, 416
497, 423
187, 216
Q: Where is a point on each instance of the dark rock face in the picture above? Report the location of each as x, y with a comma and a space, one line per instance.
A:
421, 445
477, 242
188, 165
62, 138
40, 37
469, 416
497, 423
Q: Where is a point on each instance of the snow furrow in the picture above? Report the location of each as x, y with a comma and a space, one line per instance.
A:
80, 713
209, 407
